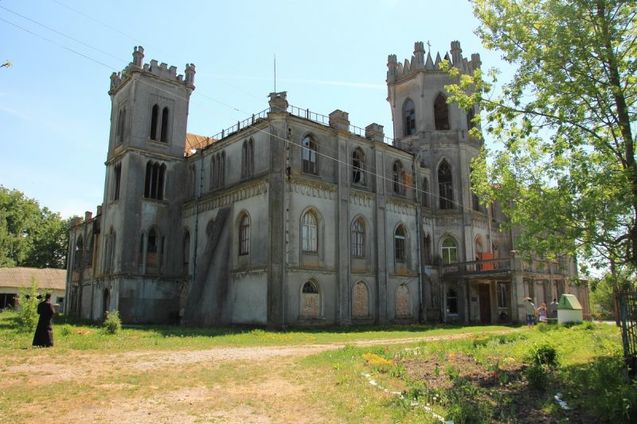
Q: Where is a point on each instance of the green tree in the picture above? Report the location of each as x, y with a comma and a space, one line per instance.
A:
28, 307
563, 160
30, 235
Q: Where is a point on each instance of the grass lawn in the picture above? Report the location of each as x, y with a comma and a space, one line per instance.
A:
390, 374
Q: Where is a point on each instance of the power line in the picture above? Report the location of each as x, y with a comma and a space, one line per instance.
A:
58, 44
60, 33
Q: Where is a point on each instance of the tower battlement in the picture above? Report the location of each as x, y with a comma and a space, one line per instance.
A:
397, 70
160, 70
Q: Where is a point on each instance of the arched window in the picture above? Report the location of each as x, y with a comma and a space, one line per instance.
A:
109, 251
309, 156
154, 184
360, 301
449, 251
310, 300
402, 302
186, 252
247, 158
117, 177
441, 113
358, 167
409, 118
399, 243
154, 120
309, 232
89, 249
152, 251
452, 301
398, 178
478, 247
78, 255
470, 116
164, 125
445, 186
121, 120
427, 257
358, 238
244, 235
425, 192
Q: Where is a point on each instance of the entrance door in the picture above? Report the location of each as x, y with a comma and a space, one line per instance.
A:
485, 303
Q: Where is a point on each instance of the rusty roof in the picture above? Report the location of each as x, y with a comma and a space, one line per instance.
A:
195, 141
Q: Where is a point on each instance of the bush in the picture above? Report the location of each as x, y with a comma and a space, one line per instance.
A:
112, 323
543, 355
28, 307
537, 376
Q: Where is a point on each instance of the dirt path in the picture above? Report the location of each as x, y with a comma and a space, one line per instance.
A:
224, 384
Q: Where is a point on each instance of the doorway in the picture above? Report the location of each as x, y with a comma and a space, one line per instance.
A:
484, 296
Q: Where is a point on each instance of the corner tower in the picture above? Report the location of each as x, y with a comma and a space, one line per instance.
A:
144, 188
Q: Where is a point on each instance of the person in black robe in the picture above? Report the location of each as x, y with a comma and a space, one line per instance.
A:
44, 331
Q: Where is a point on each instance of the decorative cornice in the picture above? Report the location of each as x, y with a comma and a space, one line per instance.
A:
226, 198
312, 188
401, 207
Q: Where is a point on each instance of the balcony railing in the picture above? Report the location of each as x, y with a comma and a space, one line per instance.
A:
482, 266
487, 266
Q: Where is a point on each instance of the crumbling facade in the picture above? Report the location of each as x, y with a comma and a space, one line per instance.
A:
295, 218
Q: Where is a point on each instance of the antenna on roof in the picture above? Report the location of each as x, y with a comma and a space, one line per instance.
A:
275, 72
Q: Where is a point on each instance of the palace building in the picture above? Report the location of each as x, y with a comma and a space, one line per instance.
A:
295, 218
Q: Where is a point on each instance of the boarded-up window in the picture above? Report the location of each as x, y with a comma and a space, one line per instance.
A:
360, 301
403, 309
310, 300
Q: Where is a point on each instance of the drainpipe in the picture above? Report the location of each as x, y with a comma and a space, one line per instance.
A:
421, 309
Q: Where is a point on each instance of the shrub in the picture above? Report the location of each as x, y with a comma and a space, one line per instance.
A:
537, 376
543, 355
28, 309
112, 323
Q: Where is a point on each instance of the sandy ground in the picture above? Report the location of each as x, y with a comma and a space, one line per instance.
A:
267, 392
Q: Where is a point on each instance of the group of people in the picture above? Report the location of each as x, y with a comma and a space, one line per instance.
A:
541, 313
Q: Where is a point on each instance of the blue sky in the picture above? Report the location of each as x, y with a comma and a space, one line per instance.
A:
54, 106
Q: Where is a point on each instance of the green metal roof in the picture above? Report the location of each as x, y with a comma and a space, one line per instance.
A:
569, 301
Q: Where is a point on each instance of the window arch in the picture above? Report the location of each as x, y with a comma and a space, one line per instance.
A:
152, 250
358, 166
154, 184
121, 120
409, 117
441, 112
360, 300
217, 170
154, 120
400, 236
247, 158
445, 185
117, 177
310, 300
309, 155
164, 125
427, 256
398, 177
309, 232
449, 251
79, 253
470, 116
358, 238
402, 302
425, 192
89, 249
452, 301
244, 234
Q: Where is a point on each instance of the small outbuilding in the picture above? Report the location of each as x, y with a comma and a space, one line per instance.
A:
48, 280
569, 310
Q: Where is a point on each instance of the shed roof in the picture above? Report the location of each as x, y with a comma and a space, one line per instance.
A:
45, 278
569, 301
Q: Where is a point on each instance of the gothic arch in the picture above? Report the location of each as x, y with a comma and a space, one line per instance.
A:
441, 112
309, 154
310, 305
445, 185
311, 233
360, 300
402, 302
243, 226
358, 236
409, 117
358, 167
400, 237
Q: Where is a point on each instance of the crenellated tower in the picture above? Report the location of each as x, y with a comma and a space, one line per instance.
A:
144, 184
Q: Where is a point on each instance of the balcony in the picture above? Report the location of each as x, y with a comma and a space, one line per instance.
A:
503, 267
